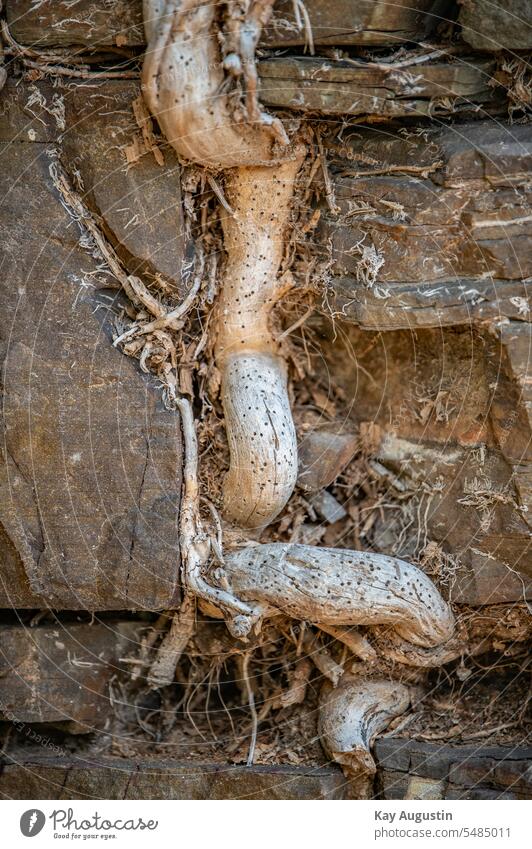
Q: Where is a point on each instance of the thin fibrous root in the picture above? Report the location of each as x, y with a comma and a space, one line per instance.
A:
341, 587
352, 714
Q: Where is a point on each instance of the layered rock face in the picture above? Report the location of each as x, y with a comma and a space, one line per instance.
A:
421, 218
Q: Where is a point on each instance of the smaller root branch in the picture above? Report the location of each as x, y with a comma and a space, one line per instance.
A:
162, 671
252, 708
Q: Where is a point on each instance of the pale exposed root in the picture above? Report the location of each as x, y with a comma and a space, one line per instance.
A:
183, 82
200, 82
323, 660
258, 419
297, 690
391, 646
196, 545
162, 670
134, 288
185, 87
331, 586
262, 439
244, 668
351, 638
352, 714
341, 587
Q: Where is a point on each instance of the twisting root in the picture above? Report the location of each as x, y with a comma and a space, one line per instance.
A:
199, 80
351, 716
196, 545
183, 83
258, 418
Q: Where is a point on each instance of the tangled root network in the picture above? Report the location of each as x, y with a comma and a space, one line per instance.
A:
200, 82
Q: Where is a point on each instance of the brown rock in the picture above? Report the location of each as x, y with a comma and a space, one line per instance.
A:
341, 87
90, 478
61, 673
54, 22
497, 24
91, 23
327, 507
441, 463
349, 22
408, 768
433, 229
141, 202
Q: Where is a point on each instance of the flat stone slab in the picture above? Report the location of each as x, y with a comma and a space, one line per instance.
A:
37, 776
61, 673
91, 470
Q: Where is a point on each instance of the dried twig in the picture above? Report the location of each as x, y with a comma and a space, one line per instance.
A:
134, 288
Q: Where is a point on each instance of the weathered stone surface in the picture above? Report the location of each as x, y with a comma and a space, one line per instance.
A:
497, 24
448, 479
327, 507
61, 673
92, 461
39, 777
416, 305
119, 22
90, 23
355, 22
408, 769
444, 215
351, 87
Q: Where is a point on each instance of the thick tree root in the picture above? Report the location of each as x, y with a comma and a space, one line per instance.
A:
184, 84
258, 419
199, 80
352, 714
